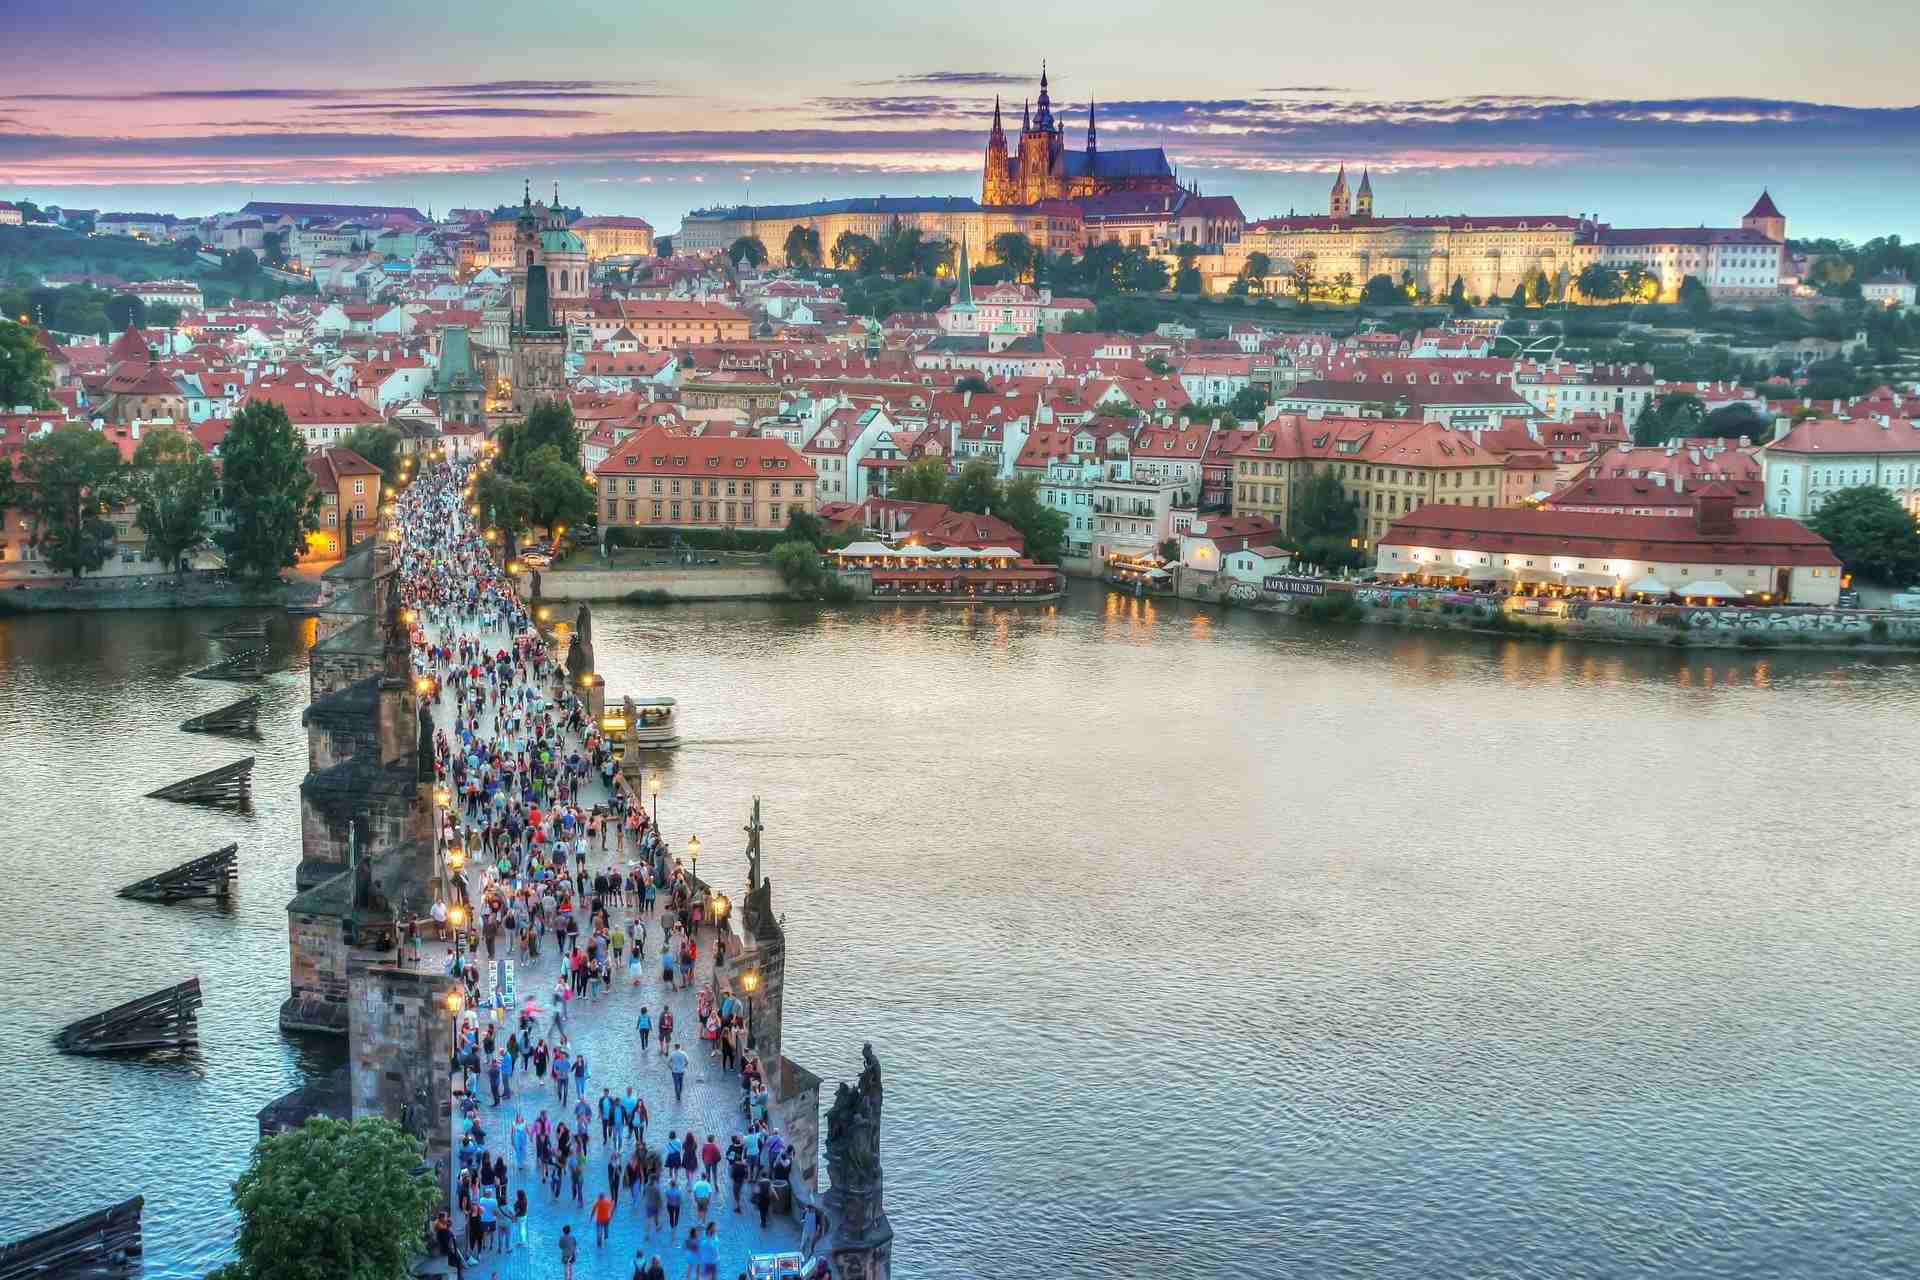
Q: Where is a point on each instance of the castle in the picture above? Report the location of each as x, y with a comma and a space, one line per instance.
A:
1046, 170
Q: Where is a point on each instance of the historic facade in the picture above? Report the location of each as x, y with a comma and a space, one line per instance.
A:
1041, 168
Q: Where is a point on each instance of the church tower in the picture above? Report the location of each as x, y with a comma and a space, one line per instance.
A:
1093, 143
996, 181
1765, 217
1363, 199
1337, 202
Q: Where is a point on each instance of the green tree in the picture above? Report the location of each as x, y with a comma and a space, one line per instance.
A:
855, 252
1518, 299
1014, 252
1638, 283
922, 481
126, 311
1694, 299
804, 526
379, 445
270, 493
747, 251
1737, 420
1249, 402
975, 488
556, 491
972, 382
548, 423
1044, 528
802, 248
1255, 271
1874, 536
172, 482
1169, 549
505, 502
1380, 291
663, 246
1303, 277
1539, 288
1598, 283
1141, 272
1325, 523
26, 375
332, 1200
1677, 413
276, 248
241, 264
805, 574
67, 479
1457, 295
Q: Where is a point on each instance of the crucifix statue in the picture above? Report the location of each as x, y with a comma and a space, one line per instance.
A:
753, 830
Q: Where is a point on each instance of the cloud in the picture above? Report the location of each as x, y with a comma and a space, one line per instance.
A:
958, 78
477, 89
407, 111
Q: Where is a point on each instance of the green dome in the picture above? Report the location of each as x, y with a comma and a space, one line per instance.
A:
561, 242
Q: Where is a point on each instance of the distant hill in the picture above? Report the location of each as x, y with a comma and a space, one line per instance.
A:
32, 252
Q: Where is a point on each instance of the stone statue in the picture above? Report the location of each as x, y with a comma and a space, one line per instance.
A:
753, 830
424, 771
853, 1130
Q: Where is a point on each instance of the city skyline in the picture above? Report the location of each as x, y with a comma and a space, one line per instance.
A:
198, 118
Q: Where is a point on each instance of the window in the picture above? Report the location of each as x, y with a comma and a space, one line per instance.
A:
359, 486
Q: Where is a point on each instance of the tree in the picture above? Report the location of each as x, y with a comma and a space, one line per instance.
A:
1381, 291
1249, 402
1694, 299
1255, 271
802, 248
1043, 527
270, 493
747, 251
975, 488
379, 445
505, 501
126, 311
67, 478
1013, 251
26, 375
972, 382
1325, 523
805, 526
1303, 281
1599, 283
1518, 299
172, 482
663, 246
1874, 536
1457, 295
331, 1200
1737, 420
548, 422
556, 491
1141, 272
1169, 549
1676, 413
241, 264
1540, 288
922, 481
275, 248
1638, 283
855, 252
1157, 365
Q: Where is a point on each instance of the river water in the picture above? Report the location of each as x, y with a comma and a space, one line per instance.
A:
1193, 944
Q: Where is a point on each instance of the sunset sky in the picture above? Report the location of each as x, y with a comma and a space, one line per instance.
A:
1645, 113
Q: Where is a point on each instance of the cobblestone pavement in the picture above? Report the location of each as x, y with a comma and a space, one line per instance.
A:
603, 1029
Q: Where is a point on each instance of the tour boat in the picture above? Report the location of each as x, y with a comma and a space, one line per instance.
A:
649, 724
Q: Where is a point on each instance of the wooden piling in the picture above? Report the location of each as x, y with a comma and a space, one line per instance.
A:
104, 1244
209, 876
230, 785
167, 1019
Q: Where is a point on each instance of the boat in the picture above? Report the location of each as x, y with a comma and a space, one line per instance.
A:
641, 724
1138, 575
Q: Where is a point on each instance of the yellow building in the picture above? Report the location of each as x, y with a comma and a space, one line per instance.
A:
1387, 467
1053, 225
613, 237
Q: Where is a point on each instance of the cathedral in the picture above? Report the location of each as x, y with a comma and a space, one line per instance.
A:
1043, 169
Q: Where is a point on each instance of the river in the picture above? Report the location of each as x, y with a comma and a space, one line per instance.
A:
1193, 944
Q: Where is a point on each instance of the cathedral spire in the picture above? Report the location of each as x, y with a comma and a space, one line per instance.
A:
1026, 119
1043, 109
998, 135
1092, 144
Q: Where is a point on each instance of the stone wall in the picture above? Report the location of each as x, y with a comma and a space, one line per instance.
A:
400, 1038
716, 583
319, 973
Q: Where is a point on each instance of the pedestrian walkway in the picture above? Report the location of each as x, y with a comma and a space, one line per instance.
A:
602, 1028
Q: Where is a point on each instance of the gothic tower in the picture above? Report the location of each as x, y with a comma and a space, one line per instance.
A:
1093, 143
1765, 217
1363, 199
1337, 202
996, 181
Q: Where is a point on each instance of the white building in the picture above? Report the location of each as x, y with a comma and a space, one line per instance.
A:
1822, 455
1890, 289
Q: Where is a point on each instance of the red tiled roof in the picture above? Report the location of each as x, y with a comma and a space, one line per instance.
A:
655, 452
1850, 435
1770, 540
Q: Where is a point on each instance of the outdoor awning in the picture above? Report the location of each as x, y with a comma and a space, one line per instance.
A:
1649, 586
1584, 578
1710, 590
1520, 573
1479, 573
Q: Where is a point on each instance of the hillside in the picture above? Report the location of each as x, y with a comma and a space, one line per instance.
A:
32, 252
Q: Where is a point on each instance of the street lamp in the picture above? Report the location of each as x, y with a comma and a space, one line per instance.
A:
750, 983
653, 785
693, 852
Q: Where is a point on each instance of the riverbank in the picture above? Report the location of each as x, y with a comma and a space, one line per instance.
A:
1669, 625
190, 591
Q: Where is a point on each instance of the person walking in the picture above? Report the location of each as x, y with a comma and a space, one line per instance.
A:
569, 1250
644, 1025
672, 1194
763, 1199
677, 1063
602, 1219
653, 1202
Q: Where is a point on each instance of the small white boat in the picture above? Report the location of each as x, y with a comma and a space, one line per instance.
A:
642, 724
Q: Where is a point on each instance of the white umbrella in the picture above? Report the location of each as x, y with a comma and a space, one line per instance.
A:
1649, 586
1710, 591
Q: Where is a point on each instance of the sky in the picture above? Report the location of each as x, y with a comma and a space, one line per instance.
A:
1643, 112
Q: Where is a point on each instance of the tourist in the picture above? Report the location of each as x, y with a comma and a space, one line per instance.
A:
692, 1247
569, 1250
672, 1194
602, 1218
677, 1063
810, 1230
653, 1199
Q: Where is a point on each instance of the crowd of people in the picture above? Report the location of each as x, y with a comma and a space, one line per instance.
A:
553, 866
